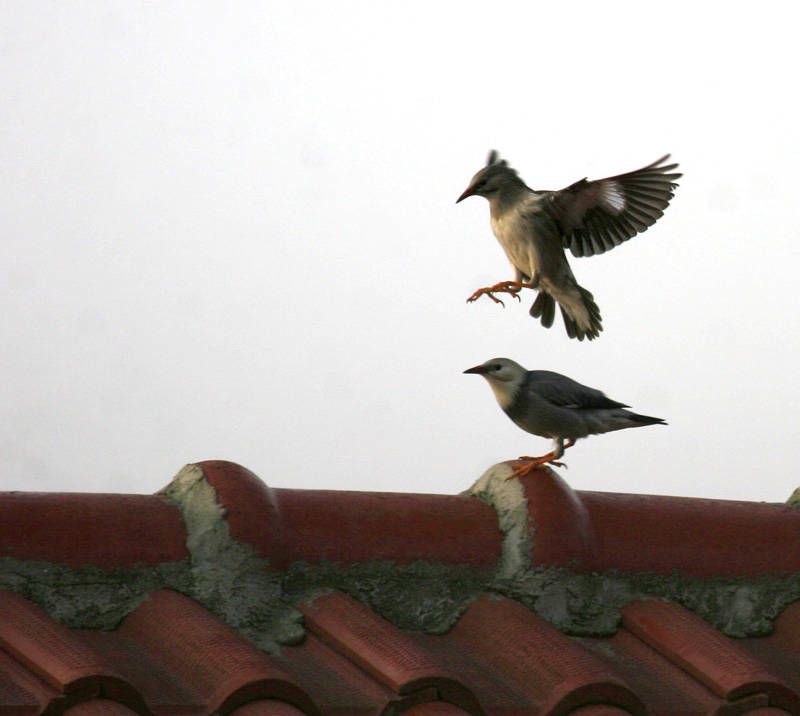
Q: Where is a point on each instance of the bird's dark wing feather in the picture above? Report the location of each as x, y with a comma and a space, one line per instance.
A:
564, 392
595, 216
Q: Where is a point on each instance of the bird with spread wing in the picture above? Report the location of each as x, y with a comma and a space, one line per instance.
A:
588, 217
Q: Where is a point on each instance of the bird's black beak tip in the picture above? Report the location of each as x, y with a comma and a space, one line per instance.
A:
478, 369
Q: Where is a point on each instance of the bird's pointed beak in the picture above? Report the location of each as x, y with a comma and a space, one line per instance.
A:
467, 192
479, 369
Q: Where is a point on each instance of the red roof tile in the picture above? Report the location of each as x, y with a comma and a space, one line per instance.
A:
597, 531
333, 682
55, 654
266, 707
99, 707
389, 655
549, 669
167, 655
435, 708
221, 668
64, 528
699, 537
21, 691
727, 669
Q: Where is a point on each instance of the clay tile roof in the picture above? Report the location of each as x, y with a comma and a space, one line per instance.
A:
221, 595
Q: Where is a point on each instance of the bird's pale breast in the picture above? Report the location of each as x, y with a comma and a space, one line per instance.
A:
513, 234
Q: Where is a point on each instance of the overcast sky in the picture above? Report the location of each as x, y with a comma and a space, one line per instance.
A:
230, 232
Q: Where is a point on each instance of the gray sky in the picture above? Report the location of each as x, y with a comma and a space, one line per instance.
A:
230, 233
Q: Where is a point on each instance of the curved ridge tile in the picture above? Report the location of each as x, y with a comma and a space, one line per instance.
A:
555, 672
354, 527
712, 658
50, 650
285, 525
562, 532
251, 508
394, 658
223, 668
656, 533
102, 530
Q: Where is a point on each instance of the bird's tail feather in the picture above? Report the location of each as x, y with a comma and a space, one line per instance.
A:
640, 420
544, 307
580, 313
606, 421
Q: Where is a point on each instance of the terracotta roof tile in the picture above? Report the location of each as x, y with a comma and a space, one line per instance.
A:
375, 645
347, 527
266, 707
334, 683
708, 655
395, 659
348, 556
55, 654
700, 537
548, 670
598, 710
159, 685
662, 685
22, 692
99, 707
64, 528
435, 708
222, 669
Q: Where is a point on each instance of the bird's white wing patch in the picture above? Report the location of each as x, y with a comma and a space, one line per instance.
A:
612, 196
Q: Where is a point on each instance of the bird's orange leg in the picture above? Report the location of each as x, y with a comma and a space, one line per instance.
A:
539, 463
511, 287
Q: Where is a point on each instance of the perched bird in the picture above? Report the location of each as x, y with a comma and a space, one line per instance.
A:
554, 406
588, 217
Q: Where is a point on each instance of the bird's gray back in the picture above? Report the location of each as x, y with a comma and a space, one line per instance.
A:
552, 405
563, 391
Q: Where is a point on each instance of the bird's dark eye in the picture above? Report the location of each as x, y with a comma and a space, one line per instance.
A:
497, 367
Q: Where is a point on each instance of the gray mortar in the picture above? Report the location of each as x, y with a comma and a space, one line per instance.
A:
589, 604
507, 498
231, 580
794, 500
88, 597
228, 577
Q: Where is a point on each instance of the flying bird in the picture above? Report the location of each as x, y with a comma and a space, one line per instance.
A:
554, 406
588, 217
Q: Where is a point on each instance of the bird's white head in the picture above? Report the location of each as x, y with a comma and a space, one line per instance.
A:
503, 375
494, 180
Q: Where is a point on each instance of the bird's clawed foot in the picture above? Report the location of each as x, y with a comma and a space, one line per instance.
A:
540, 463
511, 287
532, 464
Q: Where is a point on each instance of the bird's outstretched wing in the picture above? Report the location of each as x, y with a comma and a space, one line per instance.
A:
595, 216
563, 392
